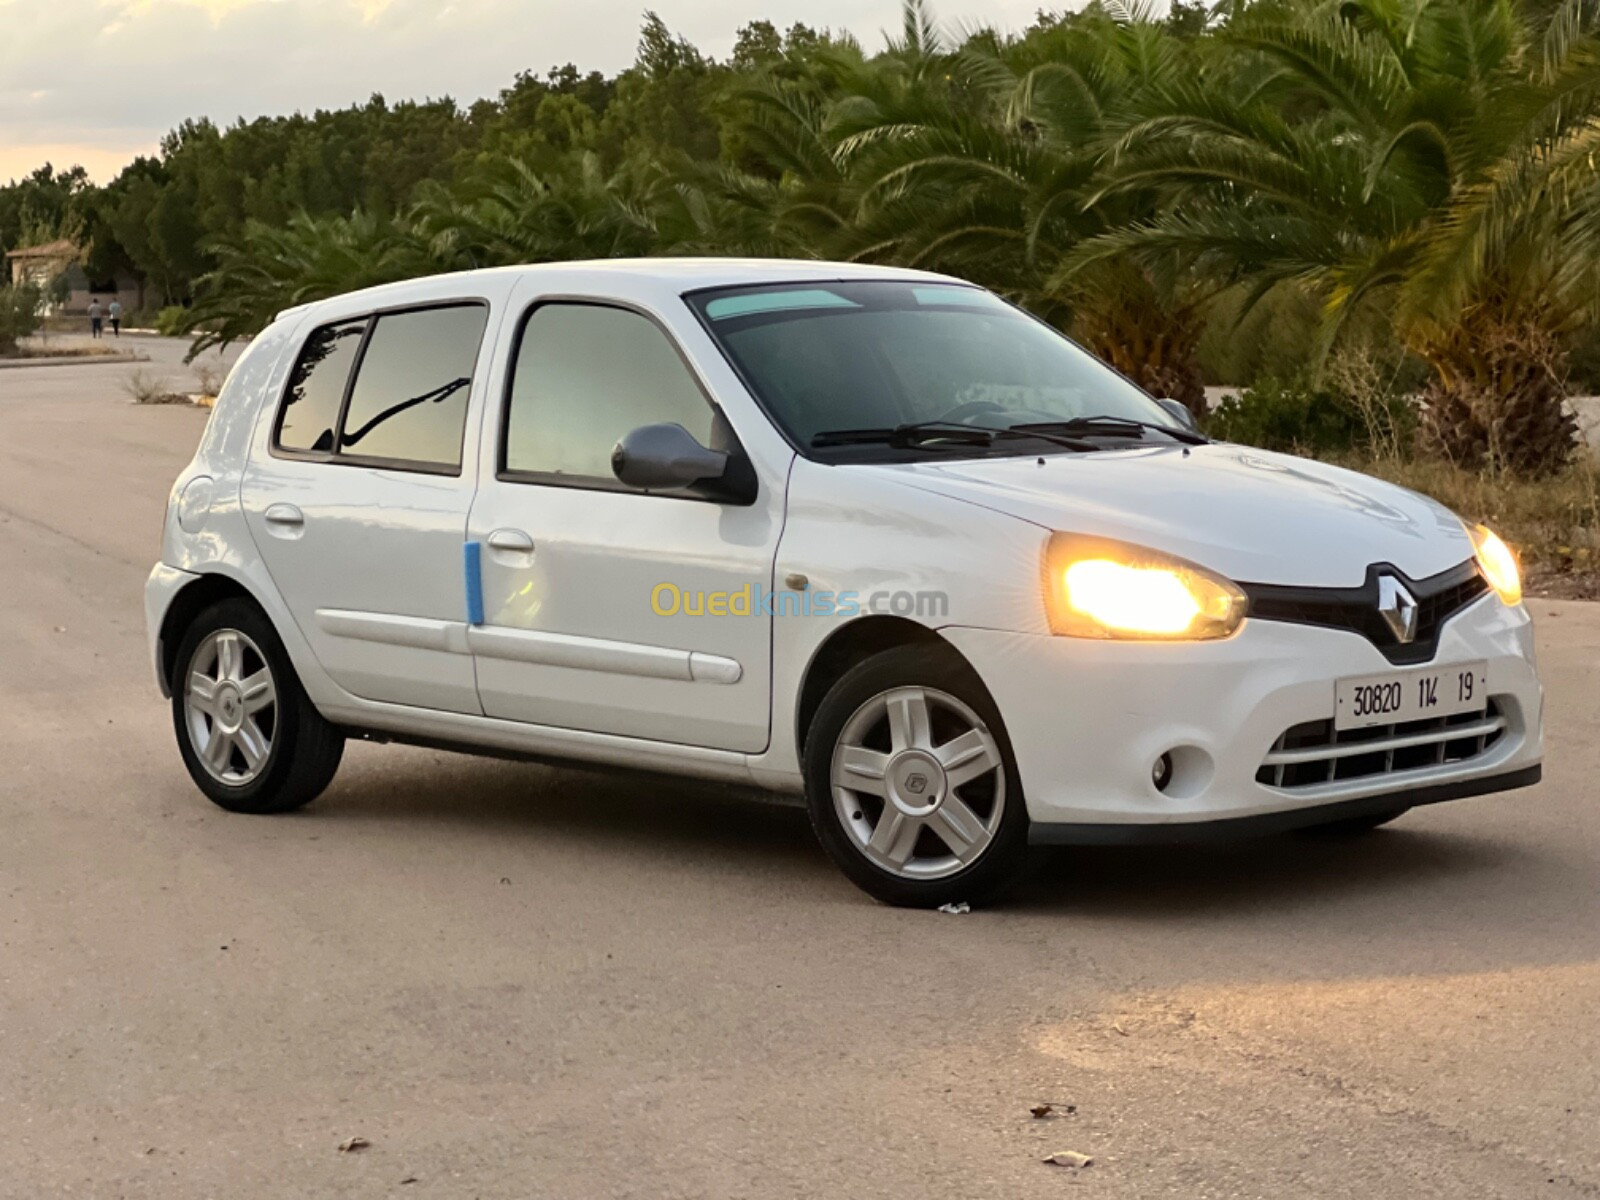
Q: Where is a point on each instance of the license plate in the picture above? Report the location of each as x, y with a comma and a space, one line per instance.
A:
1398, 696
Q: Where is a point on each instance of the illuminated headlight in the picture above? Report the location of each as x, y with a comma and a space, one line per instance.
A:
1498, 564
1105, 589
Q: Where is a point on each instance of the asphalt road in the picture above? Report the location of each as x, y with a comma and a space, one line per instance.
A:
515, 981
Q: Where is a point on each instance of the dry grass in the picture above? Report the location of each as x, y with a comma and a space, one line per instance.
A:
145, 388
210, 377
1554, 523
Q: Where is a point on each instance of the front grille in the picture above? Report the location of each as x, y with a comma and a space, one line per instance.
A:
1314, 753
1439, 597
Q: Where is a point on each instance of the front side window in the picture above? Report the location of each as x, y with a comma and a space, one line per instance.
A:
409, 402
586, 375
830, 357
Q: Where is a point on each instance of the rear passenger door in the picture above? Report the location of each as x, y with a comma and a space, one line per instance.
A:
358, 503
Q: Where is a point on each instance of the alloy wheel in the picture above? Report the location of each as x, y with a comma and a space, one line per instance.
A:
918, 783
230, 706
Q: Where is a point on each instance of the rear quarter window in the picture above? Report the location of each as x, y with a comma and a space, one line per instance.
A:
316, 388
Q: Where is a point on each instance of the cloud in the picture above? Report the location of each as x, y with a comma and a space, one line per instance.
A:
98, 81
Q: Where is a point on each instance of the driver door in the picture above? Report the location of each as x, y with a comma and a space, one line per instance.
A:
605, 608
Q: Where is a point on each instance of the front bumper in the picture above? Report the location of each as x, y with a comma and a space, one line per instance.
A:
1088, 719
1262, 824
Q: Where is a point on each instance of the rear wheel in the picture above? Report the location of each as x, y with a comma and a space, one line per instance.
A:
252, 740
910, 781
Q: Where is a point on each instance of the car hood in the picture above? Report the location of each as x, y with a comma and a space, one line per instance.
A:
1254, 516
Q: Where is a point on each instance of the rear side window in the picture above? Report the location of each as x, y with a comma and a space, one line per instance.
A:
407, 403
316, 389
585, 375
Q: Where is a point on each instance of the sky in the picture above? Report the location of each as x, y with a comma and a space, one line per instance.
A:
98, 82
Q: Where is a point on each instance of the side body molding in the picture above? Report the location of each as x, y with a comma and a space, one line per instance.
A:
530, 646
601, 654
421, 633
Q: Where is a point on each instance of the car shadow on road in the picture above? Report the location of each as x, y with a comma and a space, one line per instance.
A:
1276, 872
1431, 889
620, 809
1387, 871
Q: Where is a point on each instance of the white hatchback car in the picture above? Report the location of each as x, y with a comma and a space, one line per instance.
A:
869, 535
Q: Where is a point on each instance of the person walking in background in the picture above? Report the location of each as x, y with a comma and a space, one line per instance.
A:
96, 323
114, 311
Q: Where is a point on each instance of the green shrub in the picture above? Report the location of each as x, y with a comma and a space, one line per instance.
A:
169, 321
19, 316
1298, 416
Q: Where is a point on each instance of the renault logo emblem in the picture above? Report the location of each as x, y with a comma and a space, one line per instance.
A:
1398, 608
916, 784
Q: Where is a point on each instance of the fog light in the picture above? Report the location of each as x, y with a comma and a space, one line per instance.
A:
1161, 772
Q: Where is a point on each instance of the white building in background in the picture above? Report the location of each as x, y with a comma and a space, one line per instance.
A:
42, 265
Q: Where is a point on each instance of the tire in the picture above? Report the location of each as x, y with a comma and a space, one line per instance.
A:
1355, 826
912, 860
251, 750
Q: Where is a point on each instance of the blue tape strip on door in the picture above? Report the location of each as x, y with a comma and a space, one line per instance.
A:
473, 566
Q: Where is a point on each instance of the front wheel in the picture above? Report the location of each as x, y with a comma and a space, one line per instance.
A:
911, 783
251, 738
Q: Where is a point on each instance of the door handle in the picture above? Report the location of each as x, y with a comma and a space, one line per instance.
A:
284, 516
512, 541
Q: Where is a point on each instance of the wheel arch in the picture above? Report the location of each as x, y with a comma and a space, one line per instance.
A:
190, 601
849, 645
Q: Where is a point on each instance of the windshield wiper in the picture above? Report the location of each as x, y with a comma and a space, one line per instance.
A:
437, 396
946, 435
1105, 423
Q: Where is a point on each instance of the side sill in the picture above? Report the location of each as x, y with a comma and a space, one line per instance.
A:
383, 721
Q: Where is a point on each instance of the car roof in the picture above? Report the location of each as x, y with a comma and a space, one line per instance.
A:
629, 277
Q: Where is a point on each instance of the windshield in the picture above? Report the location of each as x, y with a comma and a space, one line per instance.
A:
832, 357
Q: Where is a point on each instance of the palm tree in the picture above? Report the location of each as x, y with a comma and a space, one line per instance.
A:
716, 209
509, 211
267, 269
504, 212
801, 128
988, 166
1421, 158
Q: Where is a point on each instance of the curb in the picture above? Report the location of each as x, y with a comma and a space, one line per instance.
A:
72, 360
189, 400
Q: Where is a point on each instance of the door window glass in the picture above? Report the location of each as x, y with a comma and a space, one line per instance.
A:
585, 376
410, 399
316, 388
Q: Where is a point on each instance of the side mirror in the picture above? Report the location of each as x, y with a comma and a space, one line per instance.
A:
663, 457
1179, 412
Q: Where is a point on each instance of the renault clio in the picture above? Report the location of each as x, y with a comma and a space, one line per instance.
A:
870, 536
